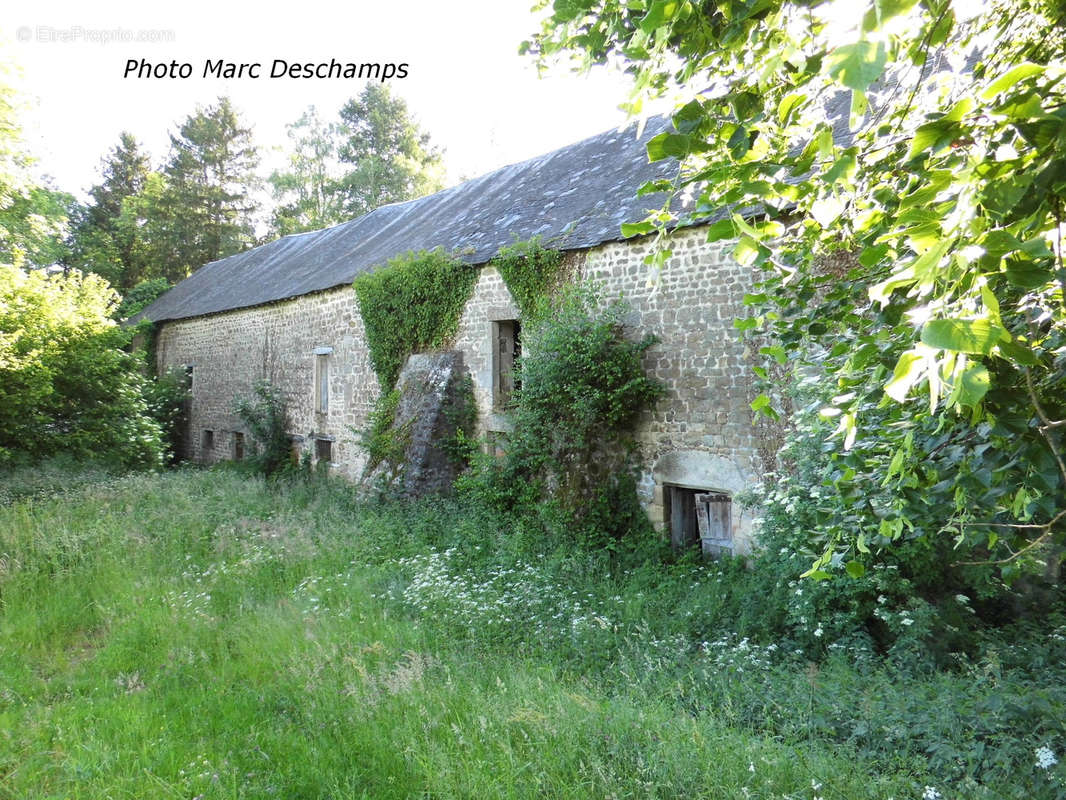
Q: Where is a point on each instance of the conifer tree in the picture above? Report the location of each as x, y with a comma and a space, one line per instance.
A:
210, 185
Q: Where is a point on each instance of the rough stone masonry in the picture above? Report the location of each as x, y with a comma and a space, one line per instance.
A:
699, 437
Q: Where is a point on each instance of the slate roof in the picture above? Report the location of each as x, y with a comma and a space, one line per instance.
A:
573, 198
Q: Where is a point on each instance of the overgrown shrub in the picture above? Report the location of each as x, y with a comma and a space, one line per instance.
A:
265, 416
911, 601
167, 397
583, 386
67, 383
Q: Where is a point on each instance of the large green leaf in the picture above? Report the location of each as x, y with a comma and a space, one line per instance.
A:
669, 145
857, 65
934, 136
1008, 79
973, 385
910, 368
963, 335
883, 11
1027, 274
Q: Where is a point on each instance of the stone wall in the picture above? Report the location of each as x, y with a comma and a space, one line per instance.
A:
700, 436
230, 351
490, 302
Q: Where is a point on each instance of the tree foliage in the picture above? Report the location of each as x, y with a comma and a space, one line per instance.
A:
306, 193
207, 204
910, 245
101, 242
33, 215
386, 157
66, 382
146, 225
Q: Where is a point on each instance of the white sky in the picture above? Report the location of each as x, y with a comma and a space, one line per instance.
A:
467, 86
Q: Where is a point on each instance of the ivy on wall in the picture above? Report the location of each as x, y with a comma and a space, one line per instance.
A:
411, 304
531, 272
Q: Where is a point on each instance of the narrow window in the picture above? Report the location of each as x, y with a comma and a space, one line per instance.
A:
506, 350
322, 355
238, 446
323, 451
207, 440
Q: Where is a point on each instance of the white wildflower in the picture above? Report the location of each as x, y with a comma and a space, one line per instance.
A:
818, 631
906, 621
931, 793
1045, 757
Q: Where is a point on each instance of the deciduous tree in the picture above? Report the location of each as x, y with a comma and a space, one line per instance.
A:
911, 247
387, 157
307, 193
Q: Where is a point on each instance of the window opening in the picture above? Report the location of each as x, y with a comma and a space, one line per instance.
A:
506, 350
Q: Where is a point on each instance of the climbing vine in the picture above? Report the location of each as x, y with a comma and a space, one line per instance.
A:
531, 271
413, 303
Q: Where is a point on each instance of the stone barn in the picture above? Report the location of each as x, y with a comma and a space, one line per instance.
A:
286, 312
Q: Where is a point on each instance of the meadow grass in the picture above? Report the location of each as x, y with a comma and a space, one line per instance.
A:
200, 634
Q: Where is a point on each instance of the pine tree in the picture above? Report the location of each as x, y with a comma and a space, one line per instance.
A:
101, 244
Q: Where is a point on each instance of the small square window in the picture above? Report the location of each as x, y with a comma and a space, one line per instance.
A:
323, 450
207, 440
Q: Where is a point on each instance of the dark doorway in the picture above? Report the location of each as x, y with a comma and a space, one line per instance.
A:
699, 515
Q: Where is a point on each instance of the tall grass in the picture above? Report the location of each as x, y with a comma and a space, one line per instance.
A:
206, 635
